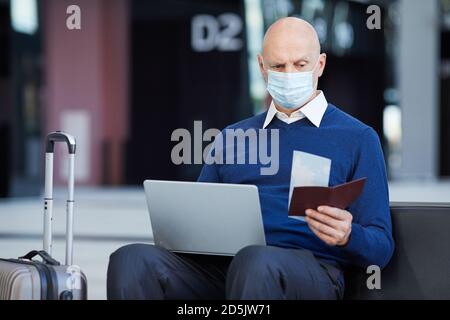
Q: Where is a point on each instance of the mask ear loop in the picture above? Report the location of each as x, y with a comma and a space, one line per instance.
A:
317, 62
312, 71
264, 67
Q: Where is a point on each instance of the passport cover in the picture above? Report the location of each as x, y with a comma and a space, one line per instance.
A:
340, 196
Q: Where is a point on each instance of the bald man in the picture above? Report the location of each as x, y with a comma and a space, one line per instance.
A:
302, 259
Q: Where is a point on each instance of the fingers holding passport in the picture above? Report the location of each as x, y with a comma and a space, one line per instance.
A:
331, 225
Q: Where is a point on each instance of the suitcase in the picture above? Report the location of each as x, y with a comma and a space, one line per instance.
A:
26, 278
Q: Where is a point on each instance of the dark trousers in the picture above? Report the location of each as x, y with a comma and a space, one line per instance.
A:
141, 271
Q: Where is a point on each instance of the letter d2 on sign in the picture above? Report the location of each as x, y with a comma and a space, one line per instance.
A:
222, 33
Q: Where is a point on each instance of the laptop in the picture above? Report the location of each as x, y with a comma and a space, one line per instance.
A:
204, 218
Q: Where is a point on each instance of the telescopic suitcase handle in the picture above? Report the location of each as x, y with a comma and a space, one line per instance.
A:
60, 136
53, 137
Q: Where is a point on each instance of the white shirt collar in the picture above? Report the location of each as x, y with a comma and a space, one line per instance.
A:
313, 110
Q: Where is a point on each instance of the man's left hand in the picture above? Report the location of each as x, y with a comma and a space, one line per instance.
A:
331, 225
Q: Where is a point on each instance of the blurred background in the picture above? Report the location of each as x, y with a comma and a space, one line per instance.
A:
137, 70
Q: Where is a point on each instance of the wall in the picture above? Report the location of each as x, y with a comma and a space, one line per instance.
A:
86, 84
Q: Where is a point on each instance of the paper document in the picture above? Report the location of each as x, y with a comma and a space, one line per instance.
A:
309, 170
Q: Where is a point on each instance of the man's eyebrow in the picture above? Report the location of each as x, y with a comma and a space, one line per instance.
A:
305, 58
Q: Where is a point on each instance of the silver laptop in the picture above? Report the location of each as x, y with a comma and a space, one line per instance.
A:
204, 218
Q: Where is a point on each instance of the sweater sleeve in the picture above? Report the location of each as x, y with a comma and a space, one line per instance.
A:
371, 241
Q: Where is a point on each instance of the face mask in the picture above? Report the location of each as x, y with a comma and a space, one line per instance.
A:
290, 90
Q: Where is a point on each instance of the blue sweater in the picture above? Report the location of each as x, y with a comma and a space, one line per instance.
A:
355, 151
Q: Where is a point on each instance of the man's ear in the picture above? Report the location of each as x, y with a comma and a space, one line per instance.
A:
261, 65
322, 63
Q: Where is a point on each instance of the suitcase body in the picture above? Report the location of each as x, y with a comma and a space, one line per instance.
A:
28, 278
35, 280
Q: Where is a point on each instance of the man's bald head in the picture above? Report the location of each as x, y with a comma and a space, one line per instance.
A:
290, 31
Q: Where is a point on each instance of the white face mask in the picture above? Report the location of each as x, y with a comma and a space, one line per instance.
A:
291, 90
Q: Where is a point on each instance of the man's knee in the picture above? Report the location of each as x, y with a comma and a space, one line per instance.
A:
128, 267
255, 259
135, 258
131, 252
256, 253
255, 273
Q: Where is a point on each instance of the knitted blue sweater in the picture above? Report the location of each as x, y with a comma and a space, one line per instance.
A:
355, 151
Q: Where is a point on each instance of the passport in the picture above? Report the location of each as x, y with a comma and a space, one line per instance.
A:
311, 197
